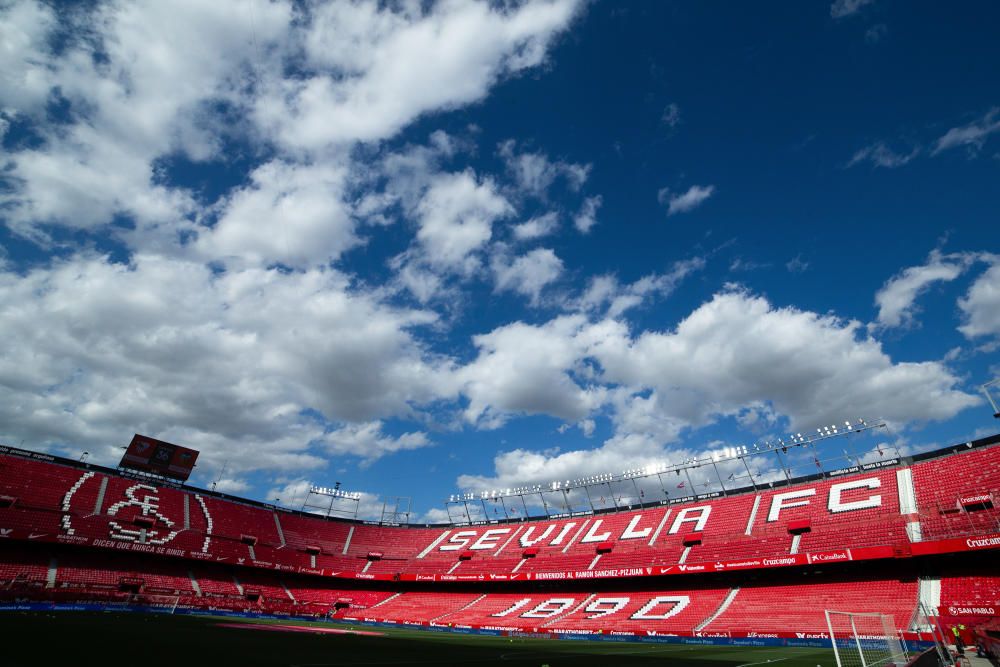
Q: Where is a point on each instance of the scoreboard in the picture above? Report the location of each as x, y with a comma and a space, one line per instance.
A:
159, 457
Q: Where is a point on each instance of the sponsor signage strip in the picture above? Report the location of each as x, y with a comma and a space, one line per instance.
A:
727, 638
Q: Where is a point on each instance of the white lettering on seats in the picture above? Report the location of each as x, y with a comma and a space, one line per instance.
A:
526, 540
511, 609
592, 535
549, 608
599, 607
489, 539
778, 502
679, 602
630, 531
837, 505
458, 540
699, 521
563, 533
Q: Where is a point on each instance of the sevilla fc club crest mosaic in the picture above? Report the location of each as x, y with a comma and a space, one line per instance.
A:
127, 510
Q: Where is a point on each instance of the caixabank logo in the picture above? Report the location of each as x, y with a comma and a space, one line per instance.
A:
131, 512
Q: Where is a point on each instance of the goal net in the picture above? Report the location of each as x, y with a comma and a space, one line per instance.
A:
162, 604
864, 639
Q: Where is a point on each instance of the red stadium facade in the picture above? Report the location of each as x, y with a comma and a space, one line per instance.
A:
758, 564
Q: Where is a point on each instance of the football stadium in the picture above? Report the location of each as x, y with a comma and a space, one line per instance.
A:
866, 565
529, 333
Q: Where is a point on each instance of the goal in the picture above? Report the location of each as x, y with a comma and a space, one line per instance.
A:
864, 639
161, 604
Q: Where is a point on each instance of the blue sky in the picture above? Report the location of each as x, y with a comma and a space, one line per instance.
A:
421, 248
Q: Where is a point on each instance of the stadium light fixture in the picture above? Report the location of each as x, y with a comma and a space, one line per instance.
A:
988, 390
730, 453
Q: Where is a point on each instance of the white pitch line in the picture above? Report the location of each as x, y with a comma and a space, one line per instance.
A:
762, 662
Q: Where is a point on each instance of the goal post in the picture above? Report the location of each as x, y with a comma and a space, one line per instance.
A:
160, 604
864, 639
926, 622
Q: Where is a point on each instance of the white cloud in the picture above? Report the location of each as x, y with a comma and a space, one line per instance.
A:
585, 220
604, 291
687, 201
741, 264
797, 265
368, 442
671, 115
292, 493
535, 173
876, 33
101, 162
881, 155
377, 70
23, 35
436, 515
525, 369
148, 81
292, 214
737, 349
229, 485
537, 227
973, 135
456, 218
424, 284
223, 362
736, 356
841, 8
528, 274
981, 305
896, 299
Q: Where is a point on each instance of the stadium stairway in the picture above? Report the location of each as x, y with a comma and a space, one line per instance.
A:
723, 606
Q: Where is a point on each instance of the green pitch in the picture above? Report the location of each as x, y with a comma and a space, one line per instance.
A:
71, 638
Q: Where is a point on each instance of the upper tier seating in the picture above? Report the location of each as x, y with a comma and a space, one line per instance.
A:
940, 483
72, 503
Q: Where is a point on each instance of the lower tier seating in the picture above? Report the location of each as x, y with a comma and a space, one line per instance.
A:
792, 603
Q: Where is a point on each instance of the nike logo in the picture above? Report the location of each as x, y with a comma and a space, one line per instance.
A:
32, 536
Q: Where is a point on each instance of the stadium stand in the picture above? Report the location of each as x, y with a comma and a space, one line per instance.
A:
71, 503
942, 484
758, 560
800, 605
